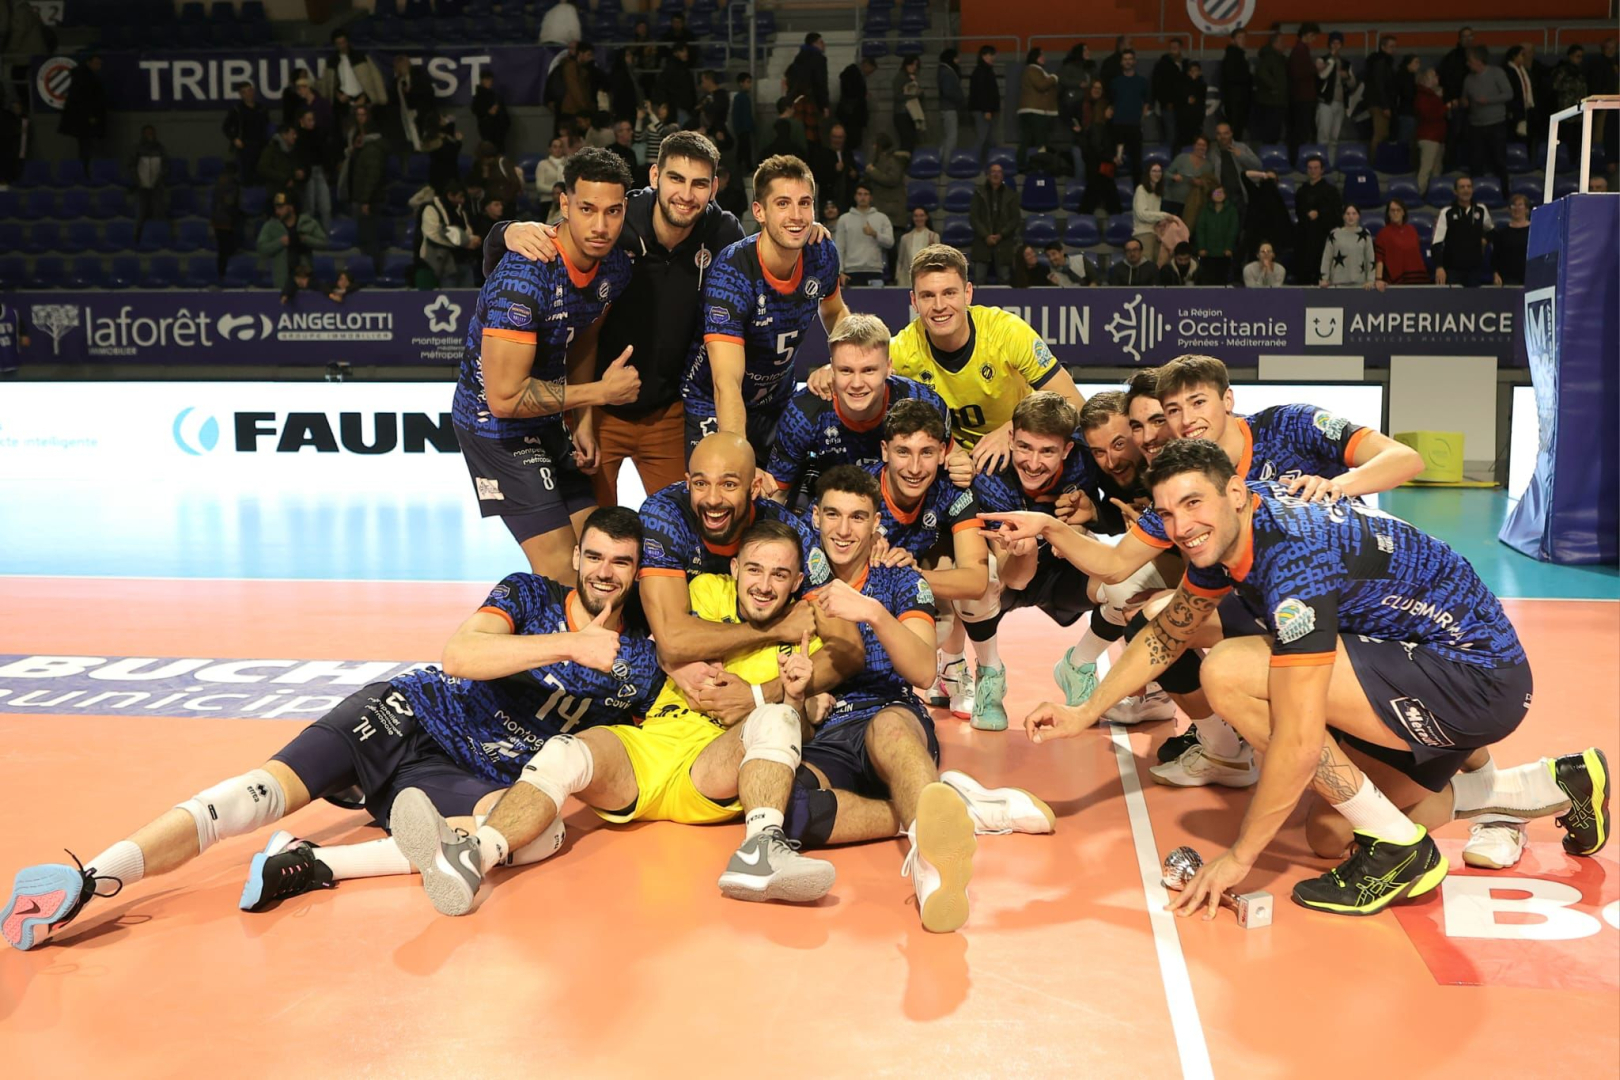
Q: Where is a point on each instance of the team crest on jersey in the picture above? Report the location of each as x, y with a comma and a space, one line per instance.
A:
500, 592
1328, 424
960, 504
703, 258
820, 570
987, 371
1294, 619
832, 431
603, 289
718, 314
519, 314
812, 287
1042, 354
930, 519
925, 375
925, 592
653, 549
621, 670
761, 304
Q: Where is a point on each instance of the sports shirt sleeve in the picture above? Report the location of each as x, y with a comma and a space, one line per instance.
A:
1028, 353
792, 450
1149, 528
962, 512
517, 599
664, 536
512, 300
930, 395
1324, 435
995, 495
727, 303
910, 596
1301, 589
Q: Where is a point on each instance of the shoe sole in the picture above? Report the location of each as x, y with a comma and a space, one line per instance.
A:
1063, 674
1205, 782
946, 842
52, 887
253, 887
1597, 768
989, 723
1484, 862
811, 884
421, 835
965, 786
1425, 882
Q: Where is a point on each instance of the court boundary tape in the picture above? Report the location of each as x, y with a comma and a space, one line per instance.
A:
1191, 1046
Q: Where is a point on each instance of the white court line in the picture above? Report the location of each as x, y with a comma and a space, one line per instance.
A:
1190, 1045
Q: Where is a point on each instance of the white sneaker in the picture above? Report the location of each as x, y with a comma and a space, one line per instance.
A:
1196, 768
1153, 704
941, 858
1000, 810
954, 689
1494, 845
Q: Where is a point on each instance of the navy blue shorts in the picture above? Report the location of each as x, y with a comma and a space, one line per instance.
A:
1236, 619
529, 481
839, 748
1058, 588
760, 427
1442, 709
387, 752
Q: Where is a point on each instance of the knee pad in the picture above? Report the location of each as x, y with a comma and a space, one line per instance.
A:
771, 733
563, 766
235, 807
982, 629
1137, 624
811, 811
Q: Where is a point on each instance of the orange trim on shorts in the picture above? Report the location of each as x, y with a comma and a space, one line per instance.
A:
1315, 659
1355, 441
1135, 530
522, 337
502, 614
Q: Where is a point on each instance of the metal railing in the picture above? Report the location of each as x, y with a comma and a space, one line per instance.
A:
1584, 110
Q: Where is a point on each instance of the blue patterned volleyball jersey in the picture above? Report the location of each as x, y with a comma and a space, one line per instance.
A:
906, 595
744, 304
532, 303
672, 543
1004, 492
944, 511
1281, 443
492, 727
1313, 571
814, 435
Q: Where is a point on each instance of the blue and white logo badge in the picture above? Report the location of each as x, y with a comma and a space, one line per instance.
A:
961, 503
930, 519
717, 314
519, 314
442, 315
812, 287
1043, 355
196, 435
1294, 619
652, 549
621, 670
1328, 424
820, 570
603, 288
925, 592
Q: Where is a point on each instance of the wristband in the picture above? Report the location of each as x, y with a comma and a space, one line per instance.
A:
759, 695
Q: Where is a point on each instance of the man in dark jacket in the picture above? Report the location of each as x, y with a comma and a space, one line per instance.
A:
984, 99
835, 169
854, 110
366, 181
1453, 71
1133, 270
84, 112
1270, 92
809, 70
996, 223
1302, 90
1237, 82
279, 168
1169, 73
493, 119
1460, 234
1379, 96
676, 86
1319, 210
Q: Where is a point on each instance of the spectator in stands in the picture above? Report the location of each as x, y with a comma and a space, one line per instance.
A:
623, 145
677, 35
1302, 90
1215, 238
225, 215
676, 87
291, 103
317, 153
443, 148
1460, 236
556, 215
351, 78
742, 120
363, 183
921, 235
1397, 250
996, 222
1603, 77
1596, 184
148, 168
886, 176
952, 102
12, 142
1192, 110
302, 279
363, 120
288, 238
1190, 180
1237, 82
1069, 272
1521, 81
305, 100
1266, 219
415, 105
1347, 257
714, 105
729, 194
808, 75
579, 85
1150, 223
1133, 270
1569, 87
1168, 75
548, 172
830, 213
1182, 269
1099, 153
492, 211
854, 108
1271, 97
344, 287
447, 236
1453, 73
864, 237
1318, 208
909, 119
1488, 94
600, 132
560, 25
787, 133
84, 112
279, 167
1335, 82
1236, 167
1265, 272
1075, 76
1113, 64
654, 124
1129, 93
835, 170
984, 98
1379, 96
1406, 78
1037, 104
1430, 109
1510, 242
1027, 271
625, 88
495, 176
493, 120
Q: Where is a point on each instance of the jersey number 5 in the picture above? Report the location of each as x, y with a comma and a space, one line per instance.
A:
570, 708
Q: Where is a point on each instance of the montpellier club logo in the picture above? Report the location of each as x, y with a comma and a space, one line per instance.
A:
51, 81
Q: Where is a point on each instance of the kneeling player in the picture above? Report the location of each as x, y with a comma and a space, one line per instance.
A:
550, 658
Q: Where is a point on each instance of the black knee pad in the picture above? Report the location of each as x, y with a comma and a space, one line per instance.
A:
1106, 630
811, 810
1137, 624
983, 630
1181, 677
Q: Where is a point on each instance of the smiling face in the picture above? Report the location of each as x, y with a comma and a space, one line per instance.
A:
1114, 450
912, 465
1149, 428
786, 211
847, 523
941, 298
1198, 412
767, 574
1038, 458
605, 569
684, 188
858, 380
1203, 520
720, 481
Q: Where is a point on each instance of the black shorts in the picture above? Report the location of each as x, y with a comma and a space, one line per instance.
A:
389, 752
1058, 588
1237, 620
759, 426
839, 750
1442, 709
529, 481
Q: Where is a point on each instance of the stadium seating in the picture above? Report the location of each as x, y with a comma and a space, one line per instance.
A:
957, 232
964, 165
1040, 230
1274, 158
959, 196
1081, 232
1040, 193
925, 163
1119, 229
1488, 193
1351, 156
923, 193
1361, 188
1006, 157
1405, 189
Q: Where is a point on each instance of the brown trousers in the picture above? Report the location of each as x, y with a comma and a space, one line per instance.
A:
655, 444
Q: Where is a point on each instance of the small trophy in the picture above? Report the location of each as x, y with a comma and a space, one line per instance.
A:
1253, 908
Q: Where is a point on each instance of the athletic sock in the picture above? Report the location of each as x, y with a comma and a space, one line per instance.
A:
1369, 811
1529, 788
123, 861
986, 653
492, 848
946, 659
761, 818
375, 858
1089, 648
1218, 739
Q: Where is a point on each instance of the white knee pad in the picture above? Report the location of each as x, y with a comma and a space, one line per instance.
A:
235, 807
771, 733
563, 766
985, 607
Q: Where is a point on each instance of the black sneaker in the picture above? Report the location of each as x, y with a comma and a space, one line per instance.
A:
1584, 777
285, 868
47, 897
1176, 745
1376, 874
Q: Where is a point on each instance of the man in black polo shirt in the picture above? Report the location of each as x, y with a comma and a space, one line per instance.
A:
1459, 239
672, 231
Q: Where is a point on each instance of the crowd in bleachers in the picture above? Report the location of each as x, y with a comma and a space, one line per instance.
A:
1300, 165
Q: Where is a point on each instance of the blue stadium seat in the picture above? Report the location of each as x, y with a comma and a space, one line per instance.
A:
1405, 189
1373, 220
908, 47
13, 271
39, 204
1423, 224
43, 236
874, 49
117, 236
1488, 193
1531, 187
1073, 191
48, 273
923, 193
10, 205
343, 233
199, 272
1127, 192
80, 236
1040, 194
109, 203
859, 157
363, 271
1350, 156
1310, 150
1518, 158
1274, 158
879, 21
1565, 185
1393, 157
1081, 231
1040, 230
155, 236
36, 173
396, 270
1561, 160
209, 168
177, 172
1361, 188
87, 273
182, 201
957, 232
1285, 188
70, 173
1120, 228
242, 272
959, 196
1160, 155
1440, 192
964, 165
191, 236
913, 22
925, 163
1006, 157
75, 203
255, 201
416, 169
325, 267
163, 272
11, 236
125, 272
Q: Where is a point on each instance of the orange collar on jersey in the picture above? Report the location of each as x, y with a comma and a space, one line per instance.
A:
1044, 490
580, 278
1240, 570
1247, 460
568, 609
863, 425
902, 516
731, 548
785, 287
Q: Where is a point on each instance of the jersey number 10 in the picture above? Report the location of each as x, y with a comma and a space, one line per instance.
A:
968, 416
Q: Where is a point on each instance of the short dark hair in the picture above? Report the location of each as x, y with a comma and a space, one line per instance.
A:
616, 523
862, 185
1143, 384
1309, 28
743, 77
340, 32
851, 479
1055, 245
583, 48
780, 167
987, 50
768, 530
911, 415
595, 165
687, 144
1573, 49
811, 38
1190, 455
1126, 52
1045, 412
244, 84
1101, 408
1133, 240
1183, 248
1189, 370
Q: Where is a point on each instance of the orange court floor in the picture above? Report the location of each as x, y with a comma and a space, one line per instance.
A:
619, 957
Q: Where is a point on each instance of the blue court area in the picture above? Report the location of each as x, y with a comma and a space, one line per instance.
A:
133, 530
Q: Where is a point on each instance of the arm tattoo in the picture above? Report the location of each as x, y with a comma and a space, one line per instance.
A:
1173, 627
1336, 782
541, 397
1162, 648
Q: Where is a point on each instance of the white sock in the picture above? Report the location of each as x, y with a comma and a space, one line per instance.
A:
987, 653
123, 861
492, 848
1530, 788
1218, 738
1088, 649
544, 846
375, 858
761, 818
1369, 811
946, 659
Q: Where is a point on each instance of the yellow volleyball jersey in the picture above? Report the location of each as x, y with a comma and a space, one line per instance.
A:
713, 598
1007, 361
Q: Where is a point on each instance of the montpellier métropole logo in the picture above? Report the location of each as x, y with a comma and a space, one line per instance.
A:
442, 315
